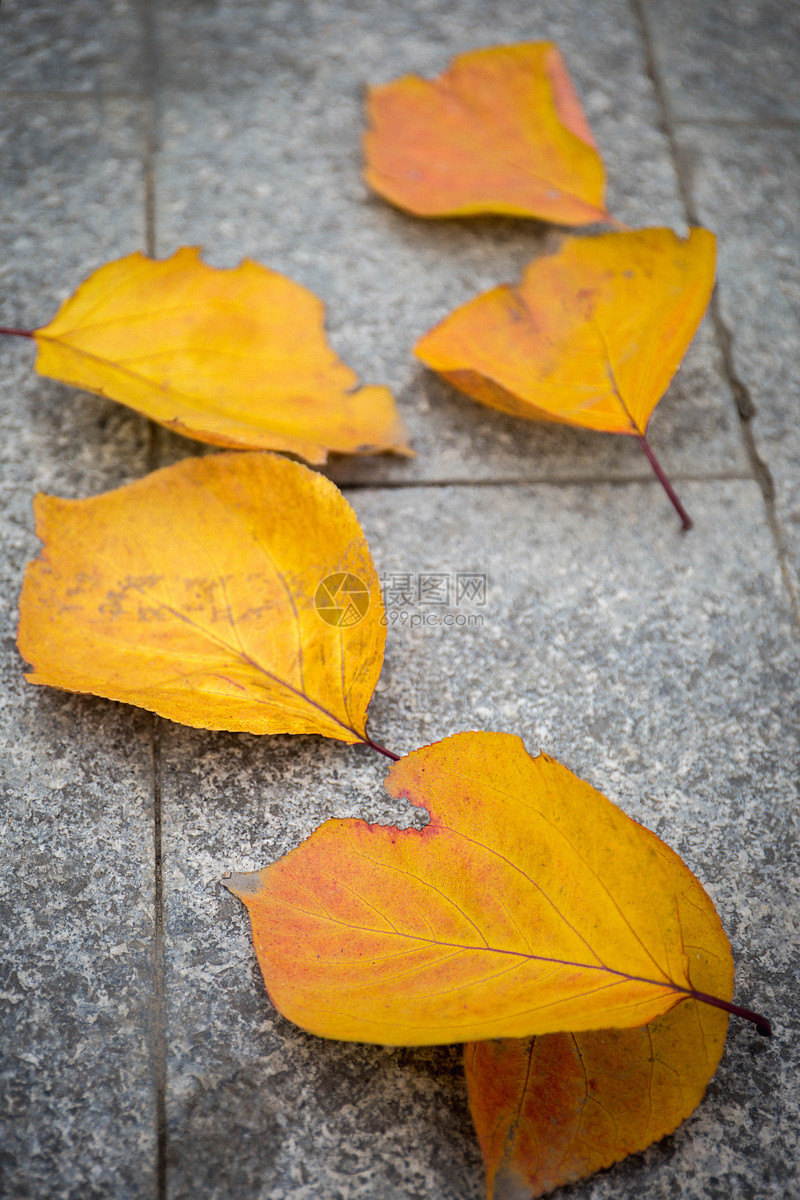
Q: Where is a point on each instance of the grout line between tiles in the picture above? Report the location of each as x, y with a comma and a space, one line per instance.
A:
160, 1031
744, 403
55, 94
560, 481
740, 122
150, 80
159, 1022
66, 94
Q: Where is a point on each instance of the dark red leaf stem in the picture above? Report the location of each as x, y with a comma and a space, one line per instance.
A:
15, 332
686, 520
762, 1024
381, 749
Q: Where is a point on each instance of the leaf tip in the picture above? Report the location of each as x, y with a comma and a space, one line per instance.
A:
242, 884
509, 1185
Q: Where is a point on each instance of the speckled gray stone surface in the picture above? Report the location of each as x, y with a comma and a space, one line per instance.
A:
83, 46
76, 890
662, 667
728, 61
745, 185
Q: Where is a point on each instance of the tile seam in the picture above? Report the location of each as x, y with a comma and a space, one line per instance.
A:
562, 481
723, 336
787, 123
150, 98
54, 94
159, 1023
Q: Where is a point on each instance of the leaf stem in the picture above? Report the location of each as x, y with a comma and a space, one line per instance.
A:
381, 749
15, 332
762, 1024
686, 520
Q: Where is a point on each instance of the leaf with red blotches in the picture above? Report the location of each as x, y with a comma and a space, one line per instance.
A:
530, 904
553, 1109
501, 131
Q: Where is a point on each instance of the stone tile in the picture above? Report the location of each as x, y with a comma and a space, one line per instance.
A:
694, 430
77, 890
659, 666
304, 67
83, 46
71, 200
77, 1113
260, 155
728, 61
745, 184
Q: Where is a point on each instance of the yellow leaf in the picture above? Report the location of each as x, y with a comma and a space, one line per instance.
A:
237, 358
553, 1109
530, 904
592, 336
233, 592
501, 131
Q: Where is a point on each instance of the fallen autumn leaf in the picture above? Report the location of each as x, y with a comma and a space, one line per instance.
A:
592, 335
237, 358
530, 904
500, 131
234, 591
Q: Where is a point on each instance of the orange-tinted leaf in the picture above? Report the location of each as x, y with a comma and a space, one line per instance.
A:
530, 904
235, 357
552, 1109
233, 592
501, 131
592, 336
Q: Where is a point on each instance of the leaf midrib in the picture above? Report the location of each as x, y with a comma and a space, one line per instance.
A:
525, 956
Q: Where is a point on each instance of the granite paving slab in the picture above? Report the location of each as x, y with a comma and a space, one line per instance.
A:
73, 196
727, 62
77, 1097
72, 199
656, 665
83, 46
745, 184
77, 1112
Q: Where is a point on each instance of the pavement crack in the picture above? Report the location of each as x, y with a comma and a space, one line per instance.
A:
158, 1025
723, 336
